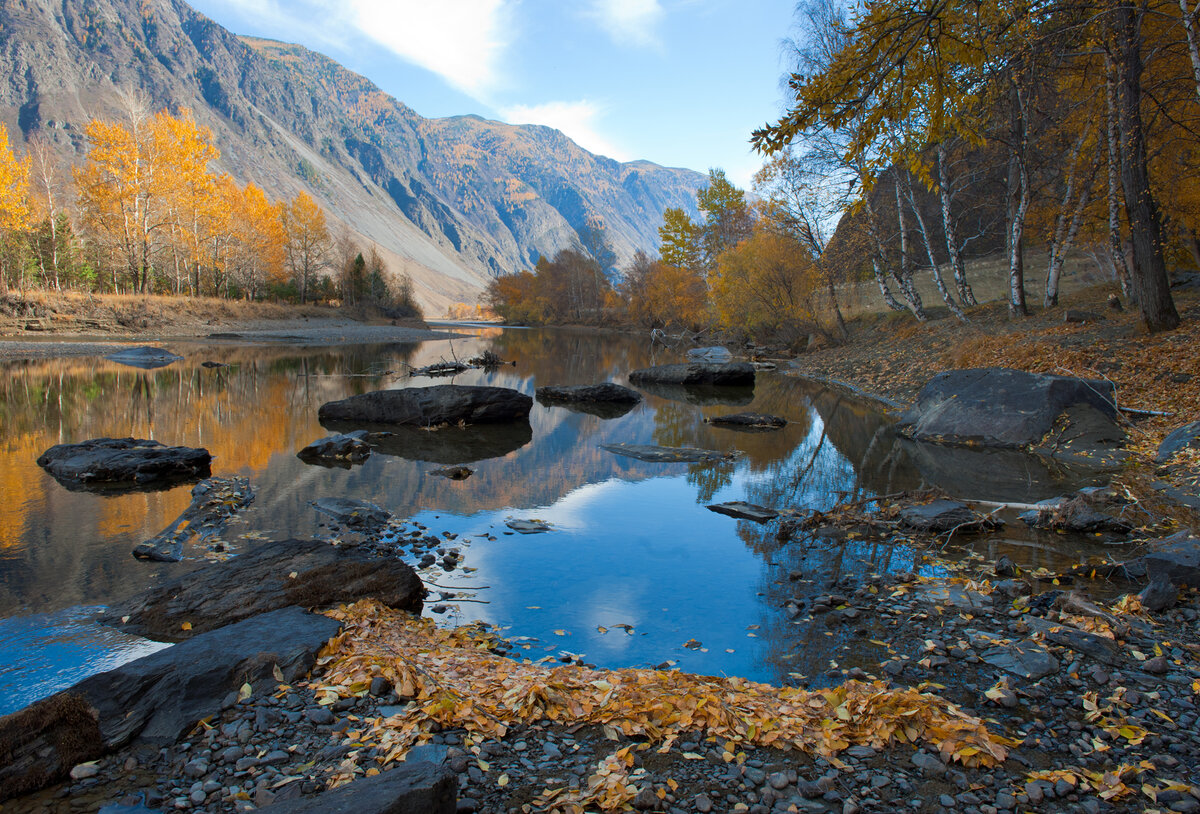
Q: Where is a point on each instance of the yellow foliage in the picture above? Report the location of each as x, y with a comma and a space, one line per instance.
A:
456, 681
765, 282
14, 186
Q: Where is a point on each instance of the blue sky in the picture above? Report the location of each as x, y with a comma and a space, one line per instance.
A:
679, 82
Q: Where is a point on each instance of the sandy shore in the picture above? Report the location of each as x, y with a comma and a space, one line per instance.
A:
294, 332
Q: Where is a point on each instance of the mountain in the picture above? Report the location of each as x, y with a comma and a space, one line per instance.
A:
451, 202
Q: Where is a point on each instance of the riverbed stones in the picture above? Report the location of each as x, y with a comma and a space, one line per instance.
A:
124, 463
412, 787
697, 373
1003, 408
274, 575
155, 699
340, 449
214, 502
432, 406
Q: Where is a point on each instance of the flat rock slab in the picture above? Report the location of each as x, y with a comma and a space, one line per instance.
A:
715, 353
214, 502
1025, 658
669, 455
955, 595
1177, 441
744, 511
156, 699
124, 463
608, 392
341, 450
145, 357
528, 526
410, 788
432, 406
692, 373
1100, 648
274, 575
757, 422
998, 407
940, 516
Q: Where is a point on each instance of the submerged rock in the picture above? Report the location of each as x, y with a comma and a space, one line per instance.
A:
124, 463
274, 575
749, 421
214, 501
674, 455
145, 357
351, 512
343, 449
998, 407
454, 473
744, 511
156, 699
713, 354
528, 526
692, 373
432, 406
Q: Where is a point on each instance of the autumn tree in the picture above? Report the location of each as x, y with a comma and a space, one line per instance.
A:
661, 295
256, 238
765, 285
307, 241
14, 199
727, 217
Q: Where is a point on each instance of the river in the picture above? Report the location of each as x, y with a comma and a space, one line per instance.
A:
635, 565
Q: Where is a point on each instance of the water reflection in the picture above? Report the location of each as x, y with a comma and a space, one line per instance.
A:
632, 543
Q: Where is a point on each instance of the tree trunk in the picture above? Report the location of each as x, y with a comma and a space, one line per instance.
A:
1116, 246
1018, 204
903, 275
1150, 281
878, 259
933, 263
950, 228
1066, 223
1189, 29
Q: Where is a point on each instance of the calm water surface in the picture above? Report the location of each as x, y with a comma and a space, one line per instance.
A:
632, 542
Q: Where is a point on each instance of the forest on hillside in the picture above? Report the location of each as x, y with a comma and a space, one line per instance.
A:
919, 136
146, 214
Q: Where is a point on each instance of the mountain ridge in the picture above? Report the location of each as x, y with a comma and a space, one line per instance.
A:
451, 201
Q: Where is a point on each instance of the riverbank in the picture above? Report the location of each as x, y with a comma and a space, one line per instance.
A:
42, 325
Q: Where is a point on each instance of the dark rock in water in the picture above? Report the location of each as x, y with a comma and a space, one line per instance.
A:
1159, 595
528, 526
946, 515
744, 511
144, 357
211, 364
1175, 559
454, 473
1181, 438
608, 400
1005, 568
431, 406
412, 787
606, 392
703, 395
343, 450
124, 463
274, 575
214, 501
749, 421
446, 444
669, 455
998, 407
715, 354
1074, 515
156, 699
712, 373
351, 512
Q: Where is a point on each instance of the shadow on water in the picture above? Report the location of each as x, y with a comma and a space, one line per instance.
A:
631, 541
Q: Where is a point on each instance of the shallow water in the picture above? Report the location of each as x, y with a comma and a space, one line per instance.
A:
632, 542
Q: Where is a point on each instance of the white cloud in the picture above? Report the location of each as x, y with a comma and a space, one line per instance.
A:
629, 22
461, 41
576, 119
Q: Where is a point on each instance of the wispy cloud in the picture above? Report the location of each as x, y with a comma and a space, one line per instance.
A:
576, 119
463, 41
630, 22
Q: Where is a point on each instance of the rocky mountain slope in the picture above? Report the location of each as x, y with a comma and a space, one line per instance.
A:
449, 201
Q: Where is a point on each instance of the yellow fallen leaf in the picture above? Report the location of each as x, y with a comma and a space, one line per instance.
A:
186, 626
244, 692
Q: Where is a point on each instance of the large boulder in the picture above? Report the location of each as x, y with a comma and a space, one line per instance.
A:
431, 406
607, 400
124, 463
413, 787
692, 373
1181, 438
1174, 559
156, 699
998, 407
275, 575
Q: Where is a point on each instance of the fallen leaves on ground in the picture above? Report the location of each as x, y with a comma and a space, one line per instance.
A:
456, 681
